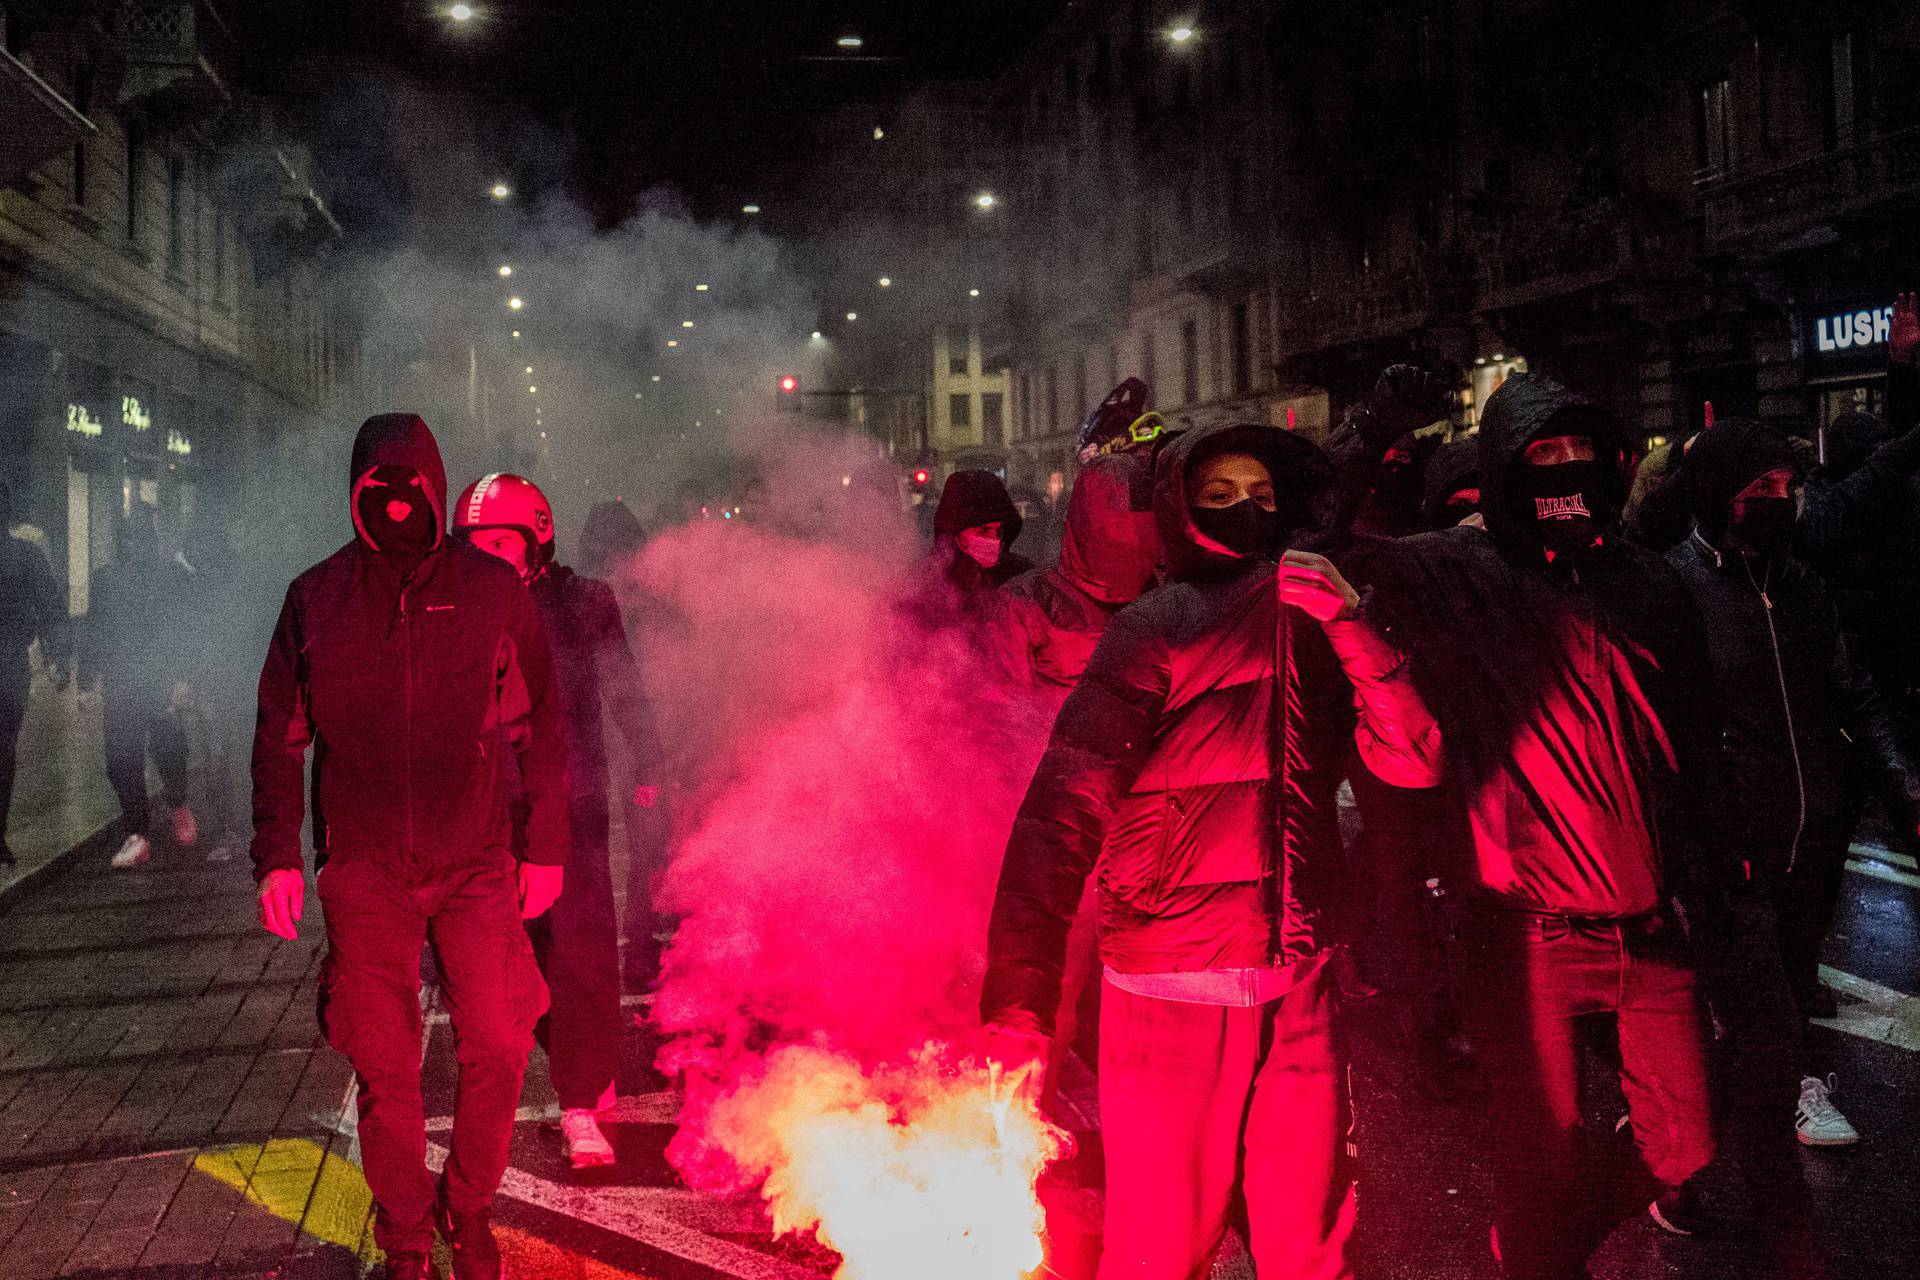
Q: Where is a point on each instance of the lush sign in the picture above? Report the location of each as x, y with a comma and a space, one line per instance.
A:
1852, 330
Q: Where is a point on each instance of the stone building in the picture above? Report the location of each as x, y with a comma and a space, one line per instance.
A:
168, 331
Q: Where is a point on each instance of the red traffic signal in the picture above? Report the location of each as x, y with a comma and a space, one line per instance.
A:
922, 477
788, 384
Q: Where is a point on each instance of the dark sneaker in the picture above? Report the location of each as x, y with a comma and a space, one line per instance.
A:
409, 1266
476, 1256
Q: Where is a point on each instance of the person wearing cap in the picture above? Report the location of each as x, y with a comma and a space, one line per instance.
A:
577, 943
416, 668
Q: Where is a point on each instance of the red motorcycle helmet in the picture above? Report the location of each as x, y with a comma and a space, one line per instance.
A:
506, 501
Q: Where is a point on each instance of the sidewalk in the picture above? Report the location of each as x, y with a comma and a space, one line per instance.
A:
60, 795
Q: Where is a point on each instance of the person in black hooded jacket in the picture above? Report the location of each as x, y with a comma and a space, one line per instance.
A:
1195, 765
1792, 698
1567, 669
577, 943
409, 662
974, 529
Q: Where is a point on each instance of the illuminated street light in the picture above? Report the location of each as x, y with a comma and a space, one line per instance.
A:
973, 293
985, 200
656, 377
673, 342
500, 191
514, 303
850, 42
505, 271
1180, 34
516, 333
461, 13
749, 208
529, 368
878, 133
533, 391
817, 336
886, 282
686, 324
852, 316
700, 288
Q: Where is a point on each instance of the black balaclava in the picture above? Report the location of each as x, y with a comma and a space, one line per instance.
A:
1246, 528
402, 535
1724, 461
1568, 503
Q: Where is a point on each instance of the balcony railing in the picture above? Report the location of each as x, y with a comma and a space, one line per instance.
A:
1368, 305
39, 122
1587, 247
1812, 191
172, 50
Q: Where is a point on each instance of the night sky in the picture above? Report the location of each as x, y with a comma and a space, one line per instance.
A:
727, 100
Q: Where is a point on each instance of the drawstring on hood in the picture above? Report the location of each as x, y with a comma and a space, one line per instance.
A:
1300, 473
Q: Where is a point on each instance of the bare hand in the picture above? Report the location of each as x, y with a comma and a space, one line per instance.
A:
1903, 343
539, 888
283, 896
1311, 584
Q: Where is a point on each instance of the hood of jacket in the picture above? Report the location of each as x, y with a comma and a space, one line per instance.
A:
1452, 468
1851, 439
1300, 473
972, 498
1725, 460
1111, 544
611, 534
398, 440
1529, 407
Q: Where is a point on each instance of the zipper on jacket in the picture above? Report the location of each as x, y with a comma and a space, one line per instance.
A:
406, 786
1786, 705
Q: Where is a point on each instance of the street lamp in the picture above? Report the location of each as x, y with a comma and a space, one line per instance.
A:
514, 303
852, 316
516, 333
749, 208
878, 133
1181, 33
700, 288
500, 191
529, 368
973, 293
461, 13
533, 391
656, 377
985, 200
505, 271
673, 342
686, 324
816, 336
850, 42
886, 282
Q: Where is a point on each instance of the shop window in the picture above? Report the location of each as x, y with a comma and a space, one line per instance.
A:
957, 350
960, 409
992, 418
1712, 129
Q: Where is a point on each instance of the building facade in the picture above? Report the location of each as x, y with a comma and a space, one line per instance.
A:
168, 334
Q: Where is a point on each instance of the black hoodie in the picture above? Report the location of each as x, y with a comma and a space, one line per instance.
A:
1789, 692
1196, 762
407, 684
968, 500
1574, 697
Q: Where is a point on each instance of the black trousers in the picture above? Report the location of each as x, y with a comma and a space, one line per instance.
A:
135, 721
15, 680
578, 946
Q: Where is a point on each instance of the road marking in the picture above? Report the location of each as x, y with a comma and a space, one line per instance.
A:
1878, 1013
641, 1213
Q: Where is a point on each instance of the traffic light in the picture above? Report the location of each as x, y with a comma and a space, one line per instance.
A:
786, 392
922, 477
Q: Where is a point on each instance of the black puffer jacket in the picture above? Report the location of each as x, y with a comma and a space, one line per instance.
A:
405, 687
1197, 761
1574, 697
1053, 618
592, 662
1789, 692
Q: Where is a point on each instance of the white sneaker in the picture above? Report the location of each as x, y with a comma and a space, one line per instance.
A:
587, 1147
1818, 1122
133, 851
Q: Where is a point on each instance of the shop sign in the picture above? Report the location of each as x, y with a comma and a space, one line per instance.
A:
1852, 330
134, 414
178, 443
82, 421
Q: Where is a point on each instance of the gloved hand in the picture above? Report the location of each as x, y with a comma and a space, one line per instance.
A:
1903, 343
1406, 398
1015, 1047
283, 895
539, 888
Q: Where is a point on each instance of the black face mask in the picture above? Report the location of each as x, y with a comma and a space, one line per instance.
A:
1246, 528
1764, 525
408, 538
1562, 504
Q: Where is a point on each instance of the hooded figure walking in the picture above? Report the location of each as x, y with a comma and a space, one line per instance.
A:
409, 663
1195, 766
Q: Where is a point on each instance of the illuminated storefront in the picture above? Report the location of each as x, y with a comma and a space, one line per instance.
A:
1845, 351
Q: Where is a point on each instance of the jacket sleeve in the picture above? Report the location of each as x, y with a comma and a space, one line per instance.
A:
1903, 396
1699, 861
1869, 722
1099, 744
1398, 738
530, 710
282, 733
624, 692
1839, 514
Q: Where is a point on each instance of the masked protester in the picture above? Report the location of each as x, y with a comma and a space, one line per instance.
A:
974, 529
1792, 697
1568, 673
31, 608
133, 650
1195, 764
417, 669
1452, 488
577, 943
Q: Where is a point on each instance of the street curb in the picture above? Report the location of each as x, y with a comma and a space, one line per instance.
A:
100, 842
